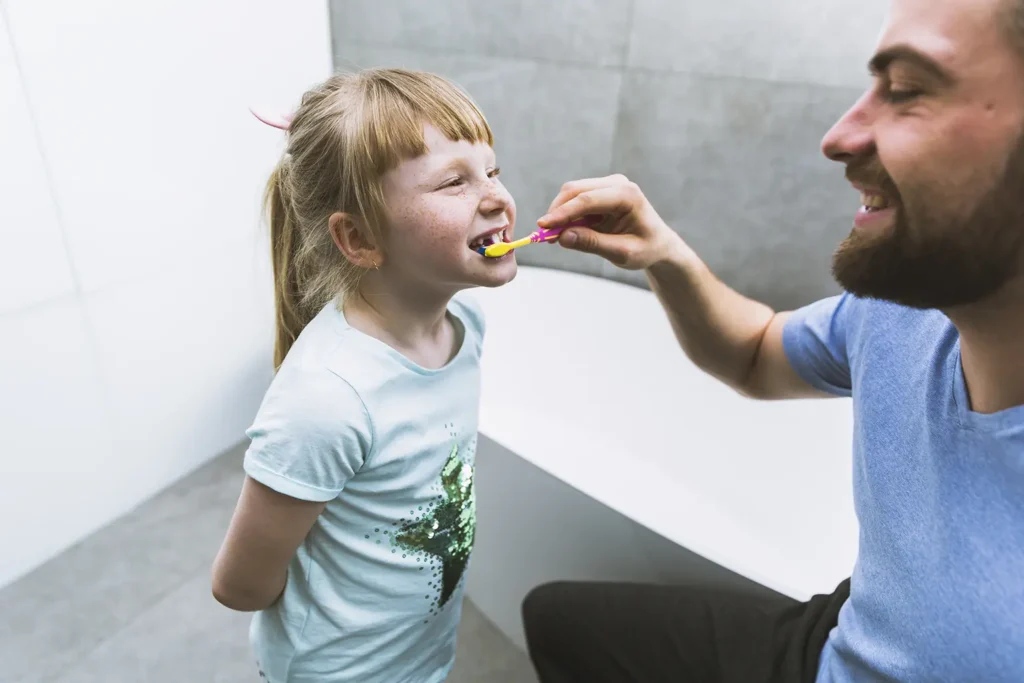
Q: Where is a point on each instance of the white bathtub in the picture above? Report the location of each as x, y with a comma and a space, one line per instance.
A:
605, 454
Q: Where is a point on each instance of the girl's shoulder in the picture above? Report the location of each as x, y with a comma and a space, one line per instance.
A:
311, 434
306, 397
312, 390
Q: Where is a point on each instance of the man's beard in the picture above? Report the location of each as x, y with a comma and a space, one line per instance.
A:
932, 258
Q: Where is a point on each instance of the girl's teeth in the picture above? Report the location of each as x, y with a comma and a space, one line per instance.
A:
489, 240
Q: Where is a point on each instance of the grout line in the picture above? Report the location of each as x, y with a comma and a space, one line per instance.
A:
623, 68
105, 396
335, 38
630, 27
201, 570
486, 54
42, 304
58, 676
620, 101
37, 134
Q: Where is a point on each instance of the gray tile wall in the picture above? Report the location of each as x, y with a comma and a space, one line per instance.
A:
716, 109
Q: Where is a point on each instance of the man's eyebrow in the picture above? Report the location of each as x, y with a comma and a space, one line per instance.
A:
904, 53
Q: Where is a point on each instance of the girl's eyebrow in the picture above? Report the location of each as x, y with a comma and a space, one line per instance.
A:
457, 163
454, 164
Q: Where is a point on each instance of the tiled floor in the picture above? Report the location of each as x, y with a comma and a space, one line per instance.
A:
132, 603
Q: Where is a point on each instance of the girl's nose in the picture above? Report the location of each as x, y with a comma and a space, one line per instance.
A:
497, 200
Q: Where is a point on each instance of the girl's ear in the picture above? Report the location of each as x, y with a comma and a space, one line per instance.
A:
355, 240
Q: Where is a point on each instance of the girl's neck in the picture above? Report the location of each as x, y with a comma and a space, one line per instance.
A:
409, 319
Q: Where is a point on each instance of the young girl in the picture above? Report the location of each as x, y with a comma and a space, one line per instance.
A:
353, 531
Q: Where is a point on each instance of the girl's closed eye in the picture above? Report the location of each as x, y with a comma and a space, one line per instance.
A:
461, 180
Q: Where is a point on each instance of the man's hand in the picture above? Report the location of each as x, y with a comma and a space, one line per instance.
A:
632, 236
729, 336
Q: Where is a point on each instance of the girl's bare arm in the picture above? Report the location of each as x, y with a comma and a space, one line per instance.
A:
251, 568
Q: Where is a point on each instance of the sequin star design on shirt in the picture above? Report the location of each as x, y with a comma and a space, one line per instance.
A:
446, 533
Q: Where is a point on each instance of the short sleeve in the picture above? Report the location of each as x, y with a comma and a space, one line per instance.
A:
815, 340
311, 435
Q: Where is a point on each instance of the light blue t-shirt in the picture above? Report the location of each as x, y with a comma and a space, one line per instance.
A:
374, 593
937, 593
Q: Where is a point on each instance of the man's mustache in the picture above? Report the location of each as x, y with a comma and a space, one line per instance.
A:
871, 173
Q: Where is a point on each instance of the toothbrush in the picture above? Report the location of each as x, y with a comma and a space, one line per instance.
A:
543, 235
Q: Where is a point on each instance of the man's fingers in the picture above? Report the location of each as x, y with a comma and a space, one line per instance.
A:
572, 189
604, 201
576, 187
618, 249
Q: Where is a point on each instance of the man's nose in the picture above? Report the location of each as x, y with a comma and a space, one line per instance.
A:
852, 137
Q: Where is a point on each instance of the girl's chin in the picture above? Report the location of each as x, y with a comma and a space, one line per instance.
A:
496, 272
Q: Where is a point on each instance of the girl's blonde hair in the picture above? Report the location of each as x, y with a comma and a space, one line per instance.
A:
347, 133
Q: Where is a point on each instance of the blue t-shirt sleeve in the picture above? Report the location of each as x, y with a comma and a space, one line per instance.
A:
815, 340
312, 434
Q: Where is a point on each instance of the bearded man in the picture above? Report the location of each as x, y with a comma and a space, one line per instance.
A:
928, 340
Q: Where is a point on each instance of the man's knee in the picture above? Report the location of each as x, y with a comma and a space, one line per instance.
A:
541, 605
546, 610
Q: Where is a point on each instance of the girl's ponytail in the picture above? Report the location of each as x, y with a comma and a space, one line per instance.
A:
284, 244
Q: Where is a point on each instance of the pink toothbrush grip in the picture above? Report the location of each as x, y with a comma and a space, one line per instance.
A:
550, 234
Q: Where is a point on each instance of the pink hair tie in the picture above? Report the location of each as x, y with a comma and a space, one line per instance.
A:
281, 121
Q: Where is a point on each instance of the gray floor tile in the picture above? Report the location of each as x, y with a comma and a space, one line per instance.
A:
132, 603
57, 614
485, 655
189, 637
185, 637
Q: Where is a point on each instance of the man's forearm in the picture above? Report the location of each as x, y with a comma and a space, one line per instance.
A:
718, 328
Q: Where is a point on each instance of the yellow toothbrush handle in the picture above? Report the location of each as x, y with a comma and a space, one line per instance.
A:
502, 248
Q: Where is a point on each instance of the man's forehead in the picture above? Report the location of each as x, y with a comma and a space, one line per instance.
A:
947, 31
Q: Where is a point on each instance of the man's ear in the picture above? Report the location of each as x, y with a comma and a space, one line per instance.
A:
355, 240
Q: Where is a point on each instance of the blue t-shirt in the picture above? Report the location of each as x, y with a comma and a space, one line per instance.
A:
374, 593
937, 593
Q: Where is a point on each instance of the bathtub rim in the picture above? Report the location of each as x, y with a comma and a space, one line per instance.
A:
730, 546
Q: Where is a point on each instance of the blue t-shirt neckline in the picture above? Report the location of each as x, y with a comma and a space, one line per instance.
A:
1009, 420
